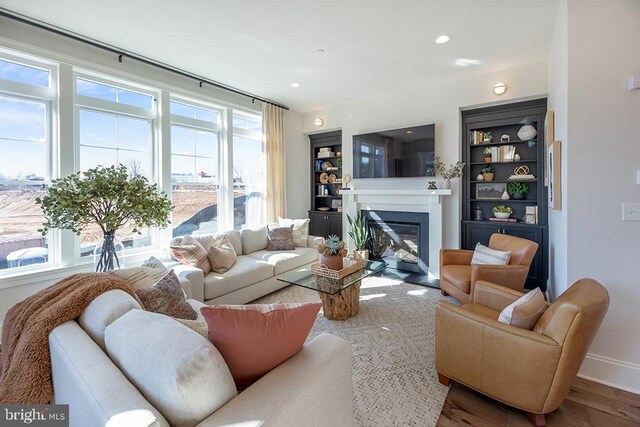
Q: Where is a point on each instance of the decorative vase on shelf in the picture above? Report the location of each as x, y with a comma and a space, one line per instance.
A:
487, 159
505, 195
502, 215
360, 255
516, 157
446, 185
488, 176
517, 196
109, 253
479, 177
527, 132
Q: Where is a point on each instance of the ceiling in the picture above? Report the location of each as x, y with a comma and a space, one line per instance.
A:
372, 47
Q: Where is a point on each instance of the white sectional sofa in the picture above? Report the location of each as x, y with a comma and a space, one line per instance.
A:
118, 365
254, 274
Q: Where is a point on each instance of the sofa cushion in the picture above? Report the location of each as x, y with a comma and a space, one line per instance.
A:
246, 271
103, 310
167, 297
254, 239
280, 238
222, 255
181, 374
206, 240
191, 252
285, 261
300, 229
458, 275
254, 339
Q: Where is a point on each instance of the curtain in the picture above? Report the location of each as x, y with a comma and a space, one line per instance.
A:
273, 126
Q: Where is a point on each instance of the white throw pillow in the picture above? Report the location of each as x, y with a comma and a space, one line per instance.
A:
154, 262
179, 372
485, 255
525, 311
300, 229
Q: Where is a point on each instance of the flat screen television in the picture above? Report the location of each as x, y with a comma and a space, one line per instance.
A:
406, 152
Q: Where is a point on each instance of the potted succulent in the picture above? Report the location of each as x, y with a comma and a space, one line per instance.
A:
487, 155
487, 137
359, 233
109, 197
448, 172
502, 211
487, 173
332, 250
517, 190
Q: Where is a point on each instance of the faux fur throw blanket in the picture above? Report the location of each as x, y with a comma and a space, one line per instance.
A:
26, 360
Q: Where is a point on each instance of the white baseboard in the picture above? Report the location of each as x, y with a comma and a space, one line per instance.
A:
611, 372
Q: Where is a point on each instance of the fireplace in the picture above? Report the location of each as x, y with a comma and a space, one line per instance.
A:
401, 239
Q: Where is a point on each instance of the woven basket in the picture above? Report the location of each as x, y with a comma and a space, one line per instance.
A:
322, 270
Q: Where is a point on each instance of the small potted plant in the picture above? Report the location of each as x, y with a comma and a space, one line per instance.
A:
487, 173
488, 137
502, 211
487, 155
517, 190
359, 233
332, 250
448, 172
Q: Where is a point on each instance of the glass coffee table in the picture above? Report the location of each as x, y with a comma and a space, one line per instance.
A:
340, 297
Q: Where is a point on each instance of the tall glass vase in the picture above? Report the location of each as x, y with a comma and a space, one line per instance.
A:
108, 253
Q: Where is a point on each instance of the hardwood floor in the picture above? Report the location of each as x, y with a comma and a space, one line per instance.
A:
587, 404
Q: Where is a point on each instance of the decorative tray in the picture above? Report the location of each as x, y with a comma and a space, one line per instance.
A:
322, 270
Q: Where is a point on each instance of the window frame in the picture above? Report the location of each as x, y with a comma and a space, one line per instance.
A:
49, 98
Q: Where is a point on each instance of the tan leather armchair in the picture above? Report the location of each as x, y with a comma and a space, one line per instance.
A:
458, 276
530, 370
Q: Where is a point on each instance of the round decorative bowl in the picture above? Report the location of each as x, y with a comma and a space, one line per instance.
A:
502, 215
527, 132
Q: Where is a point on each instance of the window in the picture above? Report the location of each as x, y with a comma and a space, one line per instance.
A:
248, 171
26, 93
194, 168
115, 126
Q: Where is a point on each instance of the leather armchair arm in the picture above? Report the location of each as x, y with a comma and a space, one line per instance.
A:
505, 362
455, 256
494, 296
511, 276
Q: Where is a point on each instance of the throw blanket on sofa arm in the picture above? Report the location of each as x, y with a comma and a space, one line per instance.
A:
26, 360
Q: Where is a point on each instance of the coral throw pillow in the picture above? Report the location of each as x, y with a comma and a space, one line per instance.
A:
253, 339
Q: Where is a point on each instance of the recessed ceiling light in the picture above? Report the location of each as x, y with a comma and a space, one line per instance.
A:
442, 39
294, 84
320, 50
499, 88
409, 131
465, 62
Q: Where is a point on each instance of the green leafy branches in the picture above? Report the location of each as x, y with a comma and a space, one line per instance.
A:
106, 196
448, 172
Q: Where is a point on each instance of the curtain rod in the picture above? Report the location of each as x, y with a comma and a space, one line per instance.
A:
122, 53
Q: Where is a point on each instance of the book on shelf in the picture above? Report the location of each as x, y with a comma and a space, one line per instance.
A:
325, 154
504, 153
325, 149
477, 137
531, 214
521, 177
503, 219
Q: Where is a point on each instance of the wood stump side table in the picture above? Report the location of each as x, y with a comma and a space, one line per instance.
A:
342, 305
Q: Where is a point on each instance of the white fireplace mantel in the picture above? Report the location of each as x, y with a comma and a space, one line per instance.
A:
422, 201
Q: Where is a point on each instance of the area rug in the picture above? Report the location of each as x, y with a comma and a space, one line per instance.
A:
393, 336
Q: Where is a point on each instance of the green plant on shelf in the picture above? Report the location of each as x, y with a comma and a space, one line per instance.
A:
448, 172
487, 169
487, 152
487, 136
502, 209
517, 188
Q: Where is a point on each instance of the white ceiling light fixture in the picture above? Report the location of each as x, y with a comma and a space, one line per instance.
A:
318, 122
443, 39
320, 51
499, 88
294, 84
465, 62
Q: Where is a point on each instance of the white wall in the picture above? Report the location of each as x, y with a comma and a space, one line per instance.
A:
602, 129
434, 102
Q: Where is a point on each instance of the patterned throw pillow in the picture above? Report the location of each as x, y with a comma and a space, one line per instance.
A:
199, 326
140, 277
486, 255
190, 252
300, 229
255, 338
525, 311
280, 238
222, 256
154, 262
166, 297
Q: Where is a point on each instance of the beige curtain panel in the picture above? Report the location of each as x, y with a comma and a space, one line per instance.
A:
273, 124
